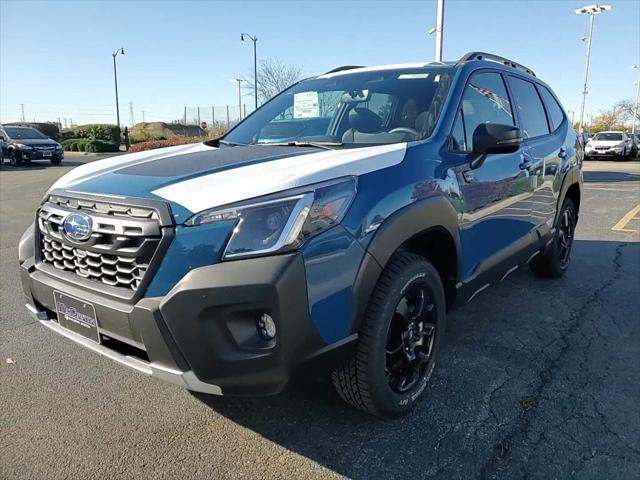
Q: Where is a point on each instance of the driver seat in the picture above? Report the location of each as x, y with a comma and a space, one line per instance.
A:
363, 123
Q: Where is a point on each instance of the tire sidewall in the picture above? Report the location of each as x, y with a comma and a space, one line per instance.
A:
391, 402
568, 204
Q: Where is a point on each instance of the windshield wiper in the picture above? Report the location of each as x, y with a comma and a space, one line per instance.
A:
232, 144
299, 143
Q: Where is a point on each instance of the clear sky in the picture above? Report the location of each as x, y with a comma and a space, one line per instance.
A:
55, 57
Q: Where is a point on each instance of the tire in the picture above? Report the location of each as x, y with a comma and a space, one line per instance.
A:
554, 262
56, 161
371, 380
15, 159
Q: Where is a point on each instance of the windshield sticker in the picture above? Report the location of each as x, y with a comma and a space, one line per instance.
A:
306, 105
406, 76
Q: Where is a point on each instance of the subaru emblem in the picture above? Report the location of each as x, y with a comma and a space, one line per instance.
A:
78, 226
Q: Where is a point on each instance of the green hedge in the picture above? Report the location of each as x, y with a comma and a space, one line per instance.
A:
98, 131
86, 145
101, 146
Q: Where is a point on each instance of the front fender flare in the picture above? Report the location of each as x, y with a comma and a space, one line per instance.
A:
395, 231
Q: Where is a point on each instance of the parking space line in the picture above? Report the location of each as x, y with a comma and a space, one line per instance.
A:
621, 226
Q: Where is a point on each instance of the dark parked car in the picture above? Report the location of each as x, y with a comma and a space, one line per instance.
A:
329, 232
23, 144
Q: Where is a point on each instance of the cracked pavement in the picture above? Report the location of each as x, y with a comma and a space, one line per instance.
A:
536, 379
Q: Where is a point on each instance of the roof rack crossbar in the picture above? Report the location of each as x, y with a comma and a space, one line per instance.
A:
344, 67
494, 58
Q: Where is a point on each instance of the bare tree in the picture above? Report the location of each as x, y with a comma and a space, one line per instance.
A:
627, 108
612, 119
273, 77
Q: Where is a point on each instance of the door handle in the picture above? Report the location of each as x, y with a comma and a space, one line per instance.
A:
525, 162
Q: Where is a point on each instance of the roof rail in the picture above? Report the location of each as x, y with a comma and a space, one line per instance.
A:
344, 67
494, 58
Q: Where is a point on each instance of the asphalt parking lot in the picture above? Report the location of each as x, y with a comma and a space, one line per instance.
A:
537, 379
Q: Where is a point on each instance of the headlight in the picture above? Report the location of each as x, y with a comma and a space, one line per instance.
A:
58, 147
22, 146
283, 223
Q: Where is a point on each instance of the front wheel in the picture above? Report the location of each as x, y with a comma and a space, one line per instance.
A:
398, 341
555, 260
15, 158
56, 161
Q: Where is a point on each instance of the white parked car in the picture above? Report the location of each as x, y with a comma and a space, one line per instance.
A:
614, 144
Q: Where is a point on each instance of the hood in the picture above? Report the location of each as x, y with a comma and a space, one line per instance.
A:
605, 143
33, 141
193, 178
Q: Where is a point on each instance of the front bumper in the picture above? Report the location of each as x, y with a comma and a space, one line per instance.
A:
202, 335
611, 153
40, 155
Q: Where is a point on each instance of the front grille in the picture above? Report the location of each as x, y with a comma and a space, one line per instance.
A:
119, 251
602, 148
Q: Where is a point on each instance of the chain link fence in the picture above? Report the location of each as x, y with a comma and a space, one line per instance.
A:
225, 116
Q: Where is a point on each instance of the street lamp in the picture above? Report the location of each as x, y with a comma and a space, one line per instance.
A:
635, 110
438, 29
255, 65
115, 79
591, 10
239, 80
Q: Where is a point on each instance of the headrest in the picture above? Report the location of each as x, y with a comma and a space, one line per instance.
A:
364, 120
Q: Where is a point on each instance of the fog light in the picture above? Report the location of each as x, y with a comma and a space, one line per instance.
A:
266, 327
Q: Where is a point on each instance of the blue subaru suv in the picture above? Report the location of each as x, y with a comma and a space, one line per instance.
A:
329, 232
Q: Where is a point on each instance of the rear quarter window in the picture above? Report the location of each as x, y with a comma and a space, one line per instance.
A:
554, 110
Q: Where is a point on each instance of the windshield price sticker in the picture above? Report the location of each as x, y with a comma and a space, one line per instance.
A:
306, 105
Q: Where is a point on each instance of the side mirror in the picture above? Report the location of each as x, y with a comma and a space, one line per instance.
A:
494, 138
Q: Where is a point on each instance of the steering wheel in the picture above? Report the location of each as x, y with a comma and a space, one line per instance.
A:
408, 130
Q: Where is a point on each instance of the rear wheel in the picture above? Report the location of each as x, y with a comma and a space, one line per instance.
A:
555, 261
398, 341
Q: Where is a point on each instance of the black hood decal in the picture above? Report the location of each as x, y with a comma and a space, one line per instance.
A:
212, 160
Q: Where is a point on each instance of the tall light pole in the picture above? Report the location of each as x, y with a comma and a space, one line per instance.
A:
115, 79
255, 64
635, 110
592, 11
239, 80
438, 29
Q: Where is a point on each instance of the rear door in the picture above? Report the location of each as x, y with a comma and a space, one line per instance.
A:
544, 131
496, 221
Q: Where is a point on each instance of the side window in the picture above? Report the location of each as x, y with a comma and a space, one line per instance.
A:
457, 141
530, 110
485, 100
556, 115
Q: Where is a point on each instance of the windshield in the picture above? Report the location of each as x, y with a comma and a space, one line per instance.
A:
351, 109
23, 133
607, 136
